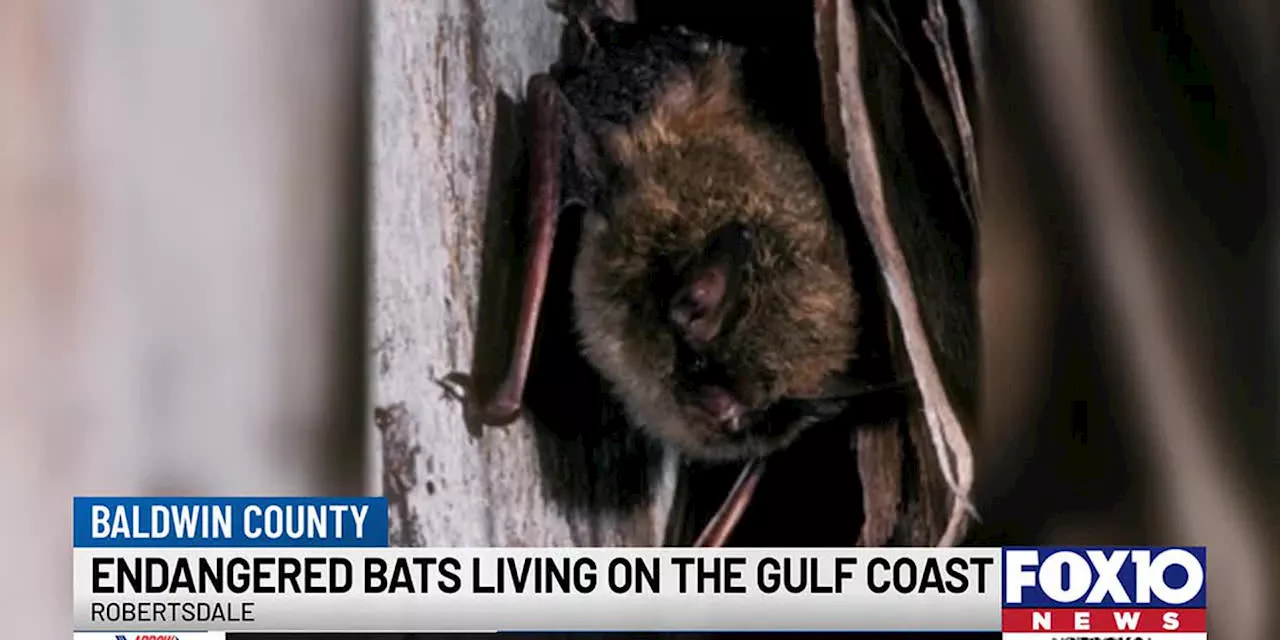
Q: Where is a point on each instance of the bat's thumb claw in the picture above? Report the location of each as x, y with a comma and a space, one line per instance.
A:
498, 412
457, 378
458, 387
455, 383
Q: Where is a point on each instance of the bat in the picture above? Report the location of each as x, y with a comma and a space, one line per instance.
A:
711, 284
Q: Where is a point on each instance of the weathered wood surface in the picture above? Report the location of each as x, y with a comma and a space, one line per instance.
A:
177, 195
448, 80
921, 254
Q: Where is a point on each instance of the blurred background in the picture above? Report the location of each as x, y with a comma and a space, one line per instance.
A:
1132, 153
181, 263
234, 233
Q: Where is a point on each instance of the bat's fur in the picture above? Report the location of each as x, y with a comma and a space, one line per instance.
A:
694, 162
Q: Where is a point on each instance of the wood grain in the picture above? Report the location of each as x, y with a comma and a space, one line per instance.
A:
449, 80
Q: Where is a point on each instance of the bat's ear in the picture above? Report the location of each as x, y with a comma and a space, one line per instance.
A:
711, 285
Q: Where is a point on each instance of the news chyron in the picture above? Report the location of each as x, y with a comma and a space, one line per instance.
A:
1046, 593
175, 568
1057, 593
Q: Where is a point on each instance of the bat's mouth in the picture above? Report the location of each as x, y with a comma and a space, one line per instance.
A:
716, 421
721, 415
718, 411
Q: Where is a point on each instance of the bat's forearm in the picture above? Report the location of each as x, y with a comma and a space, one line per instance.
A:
546, 146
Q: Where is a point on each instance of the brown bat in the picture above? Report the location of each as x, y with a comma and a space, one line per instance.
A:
712, 287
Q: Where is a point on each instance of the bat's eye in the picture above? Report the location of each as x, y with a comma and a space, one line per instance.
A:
698, 365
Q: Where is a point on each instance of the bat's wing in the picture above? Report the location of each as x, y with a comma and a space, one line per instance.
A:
899, 88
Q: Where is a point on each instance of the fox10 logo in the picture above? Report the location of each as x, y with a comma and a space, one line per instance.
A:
1104, 592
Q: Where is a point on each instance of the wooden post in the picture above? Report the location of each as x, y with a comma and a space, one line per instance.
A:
448, 83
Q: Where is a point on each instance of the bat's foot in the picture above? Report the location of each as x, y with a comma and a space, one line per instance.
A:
588, 35
573, 8
498, 411
582, 18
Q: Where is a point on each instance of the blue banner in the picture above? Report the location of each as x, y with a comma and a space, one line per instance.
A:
230, 522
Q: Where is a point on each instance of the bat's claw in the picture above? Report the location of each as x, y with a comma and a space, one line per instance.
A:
586, 22
581, 19
498, 411
572, 8
457, 386
558, 7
